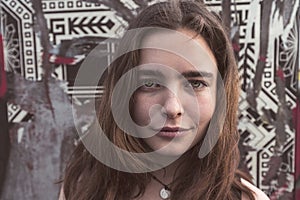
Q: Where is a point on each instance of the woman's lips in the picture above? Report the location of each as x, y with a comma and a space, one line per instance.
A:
171, 132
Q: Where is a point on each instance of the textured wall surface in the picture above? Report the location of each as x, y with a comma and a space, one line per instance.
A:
265, 37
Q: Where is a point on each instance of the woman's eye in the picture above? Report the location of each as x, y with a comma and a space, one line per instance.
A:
197, 84
150, 84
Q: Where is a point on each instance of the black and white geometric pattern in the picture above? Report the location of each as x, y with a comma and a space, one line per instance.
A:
70, 22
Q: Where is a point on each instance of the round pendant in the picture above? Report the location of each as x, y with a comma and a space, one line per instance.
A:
164, 193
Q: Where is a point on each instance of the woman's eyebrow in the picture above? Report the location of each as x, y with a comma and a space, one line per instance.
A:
186, 74
145, 72
197, 74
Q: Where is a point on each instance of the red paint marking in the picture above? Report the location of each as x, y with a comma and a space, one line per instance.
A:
61, 60
236, 46
262, 59
280, 74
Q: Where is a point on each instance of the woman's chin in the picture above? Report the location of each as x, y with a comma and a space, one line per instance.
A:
174, 147
170, 151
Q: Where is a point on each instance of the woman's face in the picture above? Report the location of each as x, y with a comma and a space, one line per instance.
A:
177, 97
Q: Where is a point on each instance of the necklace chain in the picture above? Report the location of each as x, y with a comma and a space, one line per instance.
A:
155, 178
165, 192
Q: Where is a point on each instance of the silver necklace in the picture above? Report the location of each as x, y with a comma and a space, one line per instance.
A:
165, 192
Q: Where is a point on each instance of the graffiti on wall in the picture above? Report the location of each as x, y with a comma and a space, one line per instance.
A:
265, 37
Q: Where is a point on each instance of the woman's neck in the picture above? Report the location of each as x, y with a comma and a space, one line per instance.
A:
168, 173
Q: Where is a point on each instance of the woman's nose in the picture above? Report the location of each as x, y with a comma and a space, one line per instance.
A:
172, 106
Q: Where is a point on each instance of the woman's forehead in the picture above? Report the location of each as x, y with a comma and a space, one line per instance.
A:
157, 59
182, 45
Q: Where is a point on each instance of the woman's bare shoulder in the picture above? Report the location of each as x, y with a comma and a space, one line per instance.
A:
258, 194
61, 194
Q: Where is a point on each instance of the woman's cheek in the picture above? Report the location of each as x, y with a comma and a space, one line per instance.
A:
206, 107
141, 109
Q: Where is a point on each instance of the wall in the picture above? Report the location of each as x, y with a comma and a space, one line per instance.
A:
265, 37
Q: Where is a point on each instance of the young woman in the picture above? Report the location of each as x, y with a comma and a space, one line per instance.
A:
174, 95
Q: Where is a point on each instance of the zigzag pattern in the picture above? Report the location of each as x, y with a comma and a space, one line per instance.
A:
89, 25
246, 61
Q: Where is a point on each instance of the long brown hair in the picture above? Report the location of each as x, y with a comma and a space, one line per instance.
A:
216, 176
